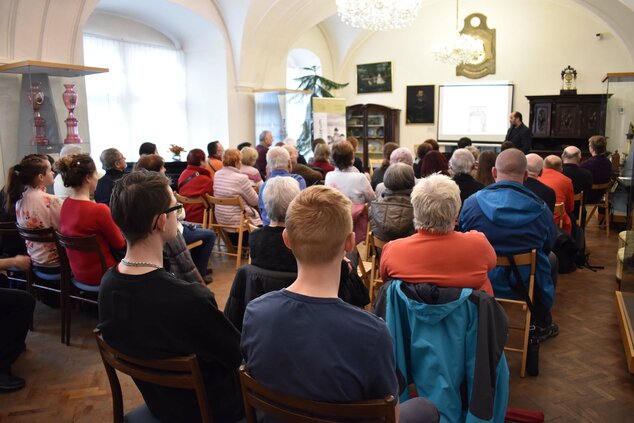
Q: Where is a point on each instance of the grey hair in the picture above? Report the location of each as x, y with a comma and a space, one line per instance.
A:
474, 150
109, 157
277, 158
278, 194
436, 202
399, 176
290, 141
69, 150
402, 155
263, 135
534, 164
249, 155
461, 161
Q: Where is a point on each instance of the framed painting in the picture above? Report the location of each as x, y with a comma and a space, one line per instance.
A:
420, 104
374, 78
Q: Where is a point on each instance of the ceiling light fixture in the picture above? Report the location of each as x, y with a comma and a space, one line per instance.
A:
463, 49
378, 15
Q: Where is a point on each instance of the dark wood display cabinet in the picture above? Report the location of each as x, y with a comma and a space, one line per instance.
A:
373, 125
558, 121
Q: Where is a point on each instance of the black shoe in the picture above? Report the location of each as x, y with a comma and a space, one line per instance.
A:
208, 279
550, 331
9, 382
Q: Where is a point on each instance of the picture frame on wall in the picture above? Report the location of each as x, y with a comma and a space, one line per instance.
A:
420, 104
374, 78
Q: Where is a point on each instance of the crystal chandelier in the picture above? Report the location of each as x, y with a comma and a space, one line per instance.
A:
378, 15
463, 49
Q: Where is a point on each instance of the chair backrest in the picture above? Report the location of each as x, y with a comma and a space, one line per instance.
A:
603, 188
196, 200
79, 243
297, 410
579, 200
177, 372
8, 229
36, 235
230, 201
560, 210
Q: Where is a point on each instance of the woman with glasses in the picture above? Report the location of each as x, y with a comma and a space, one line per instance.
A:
82, 217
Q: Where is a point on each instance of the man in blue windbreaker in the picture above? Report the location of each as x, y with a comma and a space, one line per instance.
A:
515, 221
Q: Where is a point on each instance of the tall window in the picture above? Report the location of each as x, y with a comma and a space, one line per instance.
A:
142, 98
296, 105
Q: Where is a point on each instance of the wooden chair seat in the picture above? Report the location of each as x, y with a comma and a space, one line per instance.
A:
177, 372
196, 200
604, 202
560, 210
517, 311
297, 410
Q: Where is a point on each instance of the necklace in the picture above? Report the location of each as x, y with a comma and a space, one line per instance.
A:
140, 264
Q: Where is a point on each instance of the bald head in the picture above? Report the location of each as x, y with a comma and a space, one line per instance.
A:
534, 165
510, 165
571, 154
553, 162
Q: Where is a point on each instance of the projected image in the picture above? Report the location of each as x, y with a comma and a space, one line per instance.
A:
478, 120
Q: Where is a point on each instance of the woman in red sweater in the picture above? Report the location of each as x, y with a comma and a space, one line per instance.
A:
194, 182
80, 216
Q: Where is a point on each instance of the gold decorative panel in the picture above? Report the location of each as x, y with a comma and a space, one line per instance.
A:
476, 25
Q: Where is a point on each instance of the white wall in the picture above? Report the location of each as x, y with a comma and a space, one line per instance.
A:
535, 41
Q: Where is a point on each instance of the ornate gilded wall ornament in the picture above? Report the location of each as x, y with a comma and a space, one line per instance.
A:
476, 25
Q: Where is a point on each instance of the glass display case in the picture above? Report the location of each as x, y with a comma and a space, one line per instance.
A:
373, 125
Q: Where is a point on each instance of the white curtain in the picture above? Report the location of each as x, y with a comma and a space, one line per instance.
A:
142, 98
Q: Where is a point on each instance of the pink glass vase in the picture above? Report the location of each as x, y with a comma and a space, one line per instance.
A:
36, 98
70, 101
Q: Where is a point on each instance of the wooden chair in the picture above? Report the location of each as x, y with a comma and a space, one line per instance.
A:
240, 228
72, 289
604, 202
560, 210
178, 372
9, 229
518, 312
297, 410
579, 200
196, 200
377, 281
36, 279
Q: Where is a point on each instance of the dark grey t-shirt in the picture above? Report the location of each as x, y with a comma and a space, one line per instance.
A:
321, 349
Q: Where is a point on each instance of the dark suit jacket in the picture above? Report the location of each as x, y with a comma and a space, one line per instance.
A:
543, 191
581, 181
467, 185
521, 137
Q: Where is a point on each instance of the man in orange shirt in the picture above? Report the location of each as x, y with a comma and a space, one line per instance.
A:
562, 185
214, 163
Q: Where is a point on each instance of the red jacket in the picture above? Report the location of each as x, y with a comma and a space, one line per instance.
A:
85, 218
203, 183
564, 193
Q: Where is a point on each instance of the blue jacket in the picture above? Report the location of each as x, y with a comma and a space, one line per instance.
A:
449, 342
514, 220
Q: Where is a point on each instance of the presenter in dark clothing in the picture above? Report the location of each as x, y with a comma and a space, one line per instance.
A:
519, 134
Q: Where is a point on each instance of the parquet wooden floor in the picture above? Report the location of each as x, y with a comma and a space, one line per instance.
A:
583, 375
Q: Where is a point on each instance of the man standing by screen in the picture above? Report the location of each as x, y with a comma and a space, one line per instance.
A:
519, 134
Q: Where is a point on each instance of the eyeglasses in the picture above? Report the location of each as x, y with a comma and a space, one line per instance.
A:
177, 207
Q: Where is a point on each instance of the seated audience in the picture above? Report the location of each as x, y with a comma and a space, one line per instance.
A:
16, 315
535, 167
377, 175
462, 164
244, 144
400, 155
581, 178
147, 148
311, 176
58, 185
433, 143
113, 162
214, 163
249, 156
599, 166
516, 221
314, 143
292, 143
146, 312
391, 214
429, 256
434, 162
193, 182
355, 147
476, 154
464, 142
278, 161
34, 207
181, 260
82, 217
321, 159
231, 183
266, 140
326, 333
506, 145
562, 185
486, 161
421, 151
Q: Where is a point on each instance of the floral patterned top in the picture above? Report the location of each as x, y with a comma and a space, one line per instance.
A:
37, 210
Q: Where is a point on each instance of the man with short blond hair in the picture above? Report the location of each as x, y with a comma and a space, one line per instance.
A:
307, 329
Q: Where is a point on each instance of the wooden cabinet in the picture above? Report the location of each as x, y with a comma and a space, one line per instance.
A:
373, 125
561, 120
